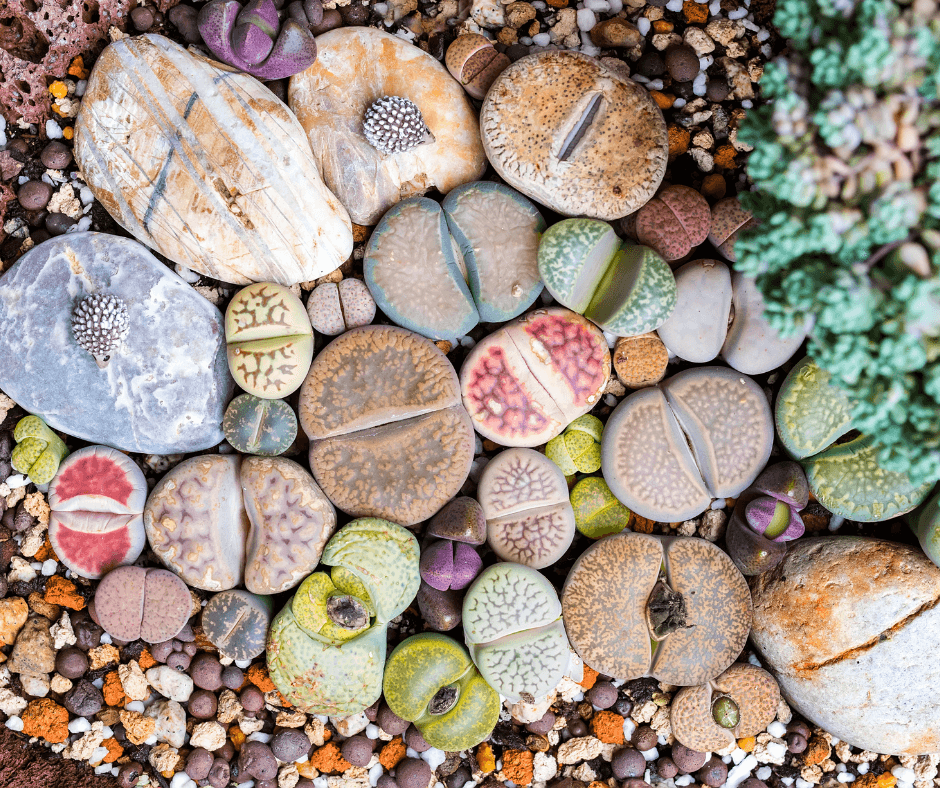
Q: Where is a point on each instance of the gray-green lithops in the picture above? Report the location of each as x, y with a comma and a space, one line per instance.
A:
512, 625
253, 425
236, 623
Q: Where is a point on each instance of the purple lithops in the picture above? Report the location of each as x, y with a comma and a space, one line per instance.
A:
254, 38
447, 565
774, 519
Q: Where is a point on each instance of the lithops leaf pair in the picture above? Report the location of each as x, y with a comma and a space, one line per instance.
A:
578, 449
728, 220
440, 269
253, 425
720, 313
925, 523
474, 62
236, 623
326, 648
740, 702
524, 382
96, 499
597, 512
625, 288
388, 435
269, 339
811, 414
512, 624
674, 222
668, 450
431, 681
134, 602
447, 565
673, 608
220, 521
337, 307
38, 450
461, 520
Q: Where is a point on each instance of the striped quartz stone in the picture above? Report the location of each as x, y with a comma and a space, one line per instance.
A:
206, 166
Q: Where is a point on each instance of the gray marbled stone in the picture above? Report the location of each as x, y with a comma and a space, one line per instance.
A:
163, 392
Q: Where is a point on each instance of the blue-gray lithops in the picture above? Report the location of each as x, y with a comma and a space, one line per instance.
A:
236, 623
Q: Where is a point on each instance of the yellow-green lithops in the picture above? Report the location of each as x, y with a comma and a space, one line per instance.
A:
597, 512
38, 450
578, 449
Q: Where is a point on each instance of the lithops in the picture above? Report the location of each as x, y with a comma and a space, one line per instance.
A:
253, 425
431, 681
448, 565
728, 219
674, 222
243, 207
553, 125
38, 450
597, 512
326, 648
626, 289
474, 62
512, 624
332, 97
740, 702
697, 328
525, 501
578, 448
388, 435
438, 269
269, 340
134, 602
236, 623
461, 520
440, 610
672, 608
925, 523
705, 433
253, 37
96, 499
640, 361
220, 521
524, 382
337, 307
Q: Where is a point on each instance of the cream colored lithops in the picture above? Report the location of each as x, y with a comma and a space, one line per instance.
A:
336, 307
680, 611
203, 164
705, 433
269, 340
573, 135
525, 501
355, 66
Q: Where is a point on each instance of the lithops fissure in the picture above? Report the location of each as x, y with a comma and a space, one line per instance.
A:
681, 612
236, 623
220, 520
626, 289
253, 425
388, 435
525, 501
512, 624
38, 450
705, 433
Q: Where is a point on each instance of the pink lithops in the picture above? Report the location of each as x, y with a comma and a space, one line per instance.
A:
525, 382
529, 519
134, 602
728, 219
96, 499
447, 565
474, 62
334, 308
674, 222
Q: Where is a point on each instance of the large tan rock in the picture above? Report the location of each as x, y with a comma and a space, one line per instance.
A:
850, 627
203, 164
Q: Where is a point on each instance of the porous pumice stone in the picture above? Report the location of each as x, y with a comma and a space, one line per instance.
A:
525, 382
529, 519
512, 625
705, 433
388, 435
573, 135
236, 623
164, 389
609, 624
96, 498
244, 206
134, 602
354, 67
868, 619
697, 328
752, 689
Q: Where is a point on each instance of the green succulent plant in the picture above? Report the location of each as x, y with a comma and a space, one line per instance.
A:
578, 449
925, 523
431, 681
266, 427
597, 512
38, 450
326, 648
846, 162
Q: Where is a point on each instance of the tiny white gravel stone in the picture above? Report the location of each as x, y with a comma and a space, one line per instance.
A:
586, 20
53, 132
49, 566
434, 757
741, 772
14, 724
643, 25
684, 779
846, 777
737, 755
542, 39
674, 5
650, 755
904, 774
777, 729
374, 773
764, 772
79, 725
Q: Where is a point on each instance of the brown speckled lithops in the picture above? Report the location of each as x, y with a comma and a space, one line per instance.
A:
570, 133
474, 62
728, 218
674, 222
640, 361
752, 691
672, 608
388, 435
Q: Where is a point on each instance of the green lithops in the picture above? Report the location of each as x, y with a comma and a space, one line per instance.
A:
597, 512
38, 450
431, 681
578, 449
626, 289
326, 648
253, 425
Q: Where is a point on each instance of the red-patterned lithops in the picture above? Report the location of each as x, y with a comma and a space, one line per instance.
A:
674, 222
728, 219
97, 498
525, 382
135, 602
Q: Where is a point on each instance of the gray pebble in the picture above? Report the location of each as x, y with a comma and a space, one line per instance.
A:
292, 744
84, 699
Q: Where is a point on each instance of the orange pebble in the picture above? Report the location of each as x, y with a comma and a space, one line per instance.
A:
640, 524
68, 132
392, 753
662, 26
724, 157
63, 592
59, 89
714, 186
517, 766
237, 736
695, 13
77, 68
485, 758
257, 674
747, 743
663, 100
114, 749
678, 141
608, 727
328, 759
589, 678
113, 691
45, 552
146, 660
46, 719
887, 780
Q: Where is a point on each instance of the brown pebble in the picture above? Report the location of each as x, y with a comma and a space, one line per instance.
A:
331, 20
142, 18
56, 155
681, 62
34, 195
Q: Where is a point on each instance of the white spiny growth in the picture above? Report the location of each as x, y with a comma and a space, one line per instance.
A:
393, 124
100, 323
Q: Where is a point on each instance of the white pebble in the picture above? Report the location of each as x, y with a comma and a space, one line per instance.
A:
776, 750
766, 51
651, 754
674, 5
53, 130
863, 768
586, 20
705, 62
542, 39
79, 725
747, 103
643, 25
597, 5
49, 567
151, 740
80, 87
718, 503
105, 637
628, 727
320, 782
181, 780
840, 767
610, 399
738, 755
776, 729
85, 195
36, 566
83, 224
786, 780
684, 779
526, 41
374, 773
726, 759
801, 783
904, 774
372, 730
3, 135
434, 757
616, 6
135, 705
738, 13
611, 339
264, 738
14, 723
835, 523
700, 84
99, 754
763, 35
538, 5
679, 103
17, 480
754, 661
741, 772
640, 78
715, 7
410, 753
186, 274
748, 24
587, 46
655, 84
244, 664
106, 767
845, 777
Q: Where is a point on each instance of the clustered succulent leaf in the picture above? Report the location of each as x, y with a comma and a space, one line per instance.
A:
847, 172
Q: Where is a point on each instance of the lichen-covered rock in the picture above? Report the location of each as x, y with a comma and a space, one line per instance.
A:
163, 392
243, 206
